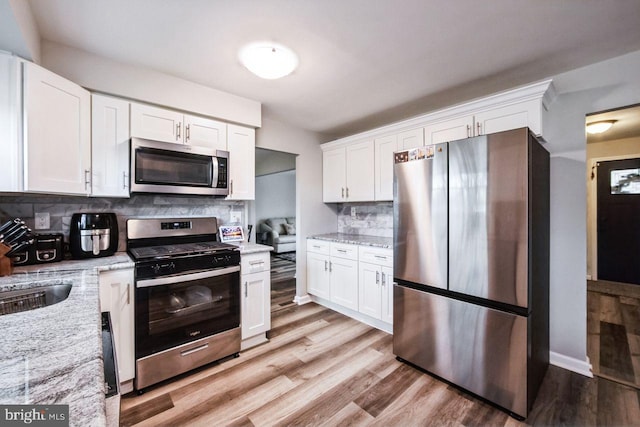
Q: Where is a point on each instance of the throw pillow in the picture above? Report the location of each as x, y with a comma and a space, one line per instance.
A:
291, 228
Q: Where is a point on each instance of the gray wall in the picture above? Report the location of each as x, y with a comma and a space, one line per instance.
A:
61, 208
606, 85
275, 195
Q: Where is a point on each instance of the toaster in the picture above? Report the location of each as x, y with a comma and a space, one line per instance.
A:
45, 248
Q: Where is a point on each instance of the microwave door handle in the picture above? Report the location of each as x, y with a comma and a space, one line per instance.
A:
180, 278
214, 172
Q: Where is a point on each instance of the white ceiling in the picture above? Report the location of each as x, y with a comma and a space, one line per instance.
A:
363, 63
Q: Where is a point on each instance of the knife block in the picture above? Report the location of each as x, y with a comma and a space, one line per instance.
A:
5, 263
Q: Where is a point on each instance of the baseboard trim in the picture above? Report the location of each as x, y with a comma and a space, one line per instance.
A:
301, 300
582, 367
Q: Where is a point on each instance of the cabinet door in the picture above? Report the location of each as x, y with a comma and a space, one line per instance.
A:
109, 147
410, 139
116, 297
57, 137
207, 133
360, 172
318, 279
386, 280
334, 169
344, 282
156, 123
449, 130
370, 294
256, 304
523, 114
241, 145
384, 149
10, 119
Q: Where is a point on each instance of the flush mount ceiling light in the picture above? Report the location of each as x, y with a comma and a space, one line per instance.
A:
599, 127
268, 60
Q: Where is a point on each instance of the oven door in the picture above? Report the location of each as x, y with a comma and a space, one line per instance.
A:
161, 167
174, 310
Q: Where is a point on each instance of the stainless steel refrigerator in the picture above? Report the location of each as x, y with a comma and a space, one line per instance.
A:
471, 264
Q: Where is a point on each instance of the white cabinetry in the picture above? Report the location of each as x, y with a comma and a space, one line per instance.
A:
161, 124
384, 149
241, 144
10, 119
318, 275
410, 139
376, 283
449, 130
348, 173
343, 269
57, 133
109, 146
255, 282
116, 297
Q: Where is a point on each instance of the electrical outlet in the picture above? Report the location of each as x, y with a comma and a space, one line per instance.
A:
42, 221
353, 212
235, 217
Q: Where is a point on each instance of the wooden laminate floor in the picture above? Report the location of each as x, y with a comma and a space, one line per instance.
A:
613, 327
321, 368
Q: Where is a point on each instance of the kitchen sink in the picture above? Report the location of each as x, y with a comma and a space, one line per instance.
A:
32, 298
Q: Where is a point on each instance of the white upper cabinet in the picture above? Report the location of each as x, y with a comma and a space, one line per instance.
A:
109, 146
10, 118
57, 133
347, 173
161, 124
449, 130
155, 123
410, 139
241, 144
203, 132
523, 114
383, 174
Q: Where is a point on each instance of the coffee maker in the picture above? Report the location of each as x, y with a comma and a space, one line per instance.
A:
93, 235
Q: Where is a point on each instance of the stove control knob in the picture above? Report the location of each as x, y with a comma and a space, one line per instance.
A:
156, 268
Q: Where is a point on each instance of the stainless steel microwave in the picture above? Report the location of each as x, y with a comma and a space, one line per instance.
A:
162, 167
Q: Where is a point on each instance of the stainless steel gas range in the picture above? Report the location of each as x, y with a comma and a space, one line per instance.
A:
187, 304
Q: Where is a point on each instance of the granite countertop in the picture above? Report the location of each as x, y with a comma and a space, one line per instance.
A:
253, 248
53, 355
356, 239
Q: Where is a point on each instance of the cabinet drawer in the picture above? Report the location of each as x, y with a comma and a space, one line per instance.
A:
254, 263
375, 255
342, 250
318, 246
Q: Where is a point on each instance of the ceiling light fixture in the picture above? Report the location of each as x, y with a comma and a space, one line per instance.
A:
268, 60
599, 127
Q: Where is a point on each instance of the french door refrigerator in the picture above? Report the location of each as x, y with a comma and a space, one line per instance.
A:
471, 264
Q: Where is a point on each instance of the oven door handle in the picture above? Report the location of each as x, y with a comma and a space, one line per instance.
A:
172, 280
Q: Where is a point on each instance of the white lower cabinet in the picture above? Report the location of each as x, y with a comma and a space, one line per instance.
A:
354, 277
255, 288
117, 297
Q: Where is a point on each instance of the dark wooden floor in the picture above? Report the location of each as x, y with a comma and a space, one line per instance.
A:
613, 326
322, 368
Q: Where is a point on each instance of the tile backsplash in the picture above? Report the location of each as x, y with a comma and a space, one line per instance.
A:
368, 219
60, 209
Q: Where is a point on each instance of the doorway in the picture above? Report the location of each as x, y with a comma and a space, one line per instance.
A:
274, 213
613, 244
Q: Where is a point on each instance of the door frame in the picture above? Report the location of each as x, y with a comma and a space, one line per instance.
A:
592, 206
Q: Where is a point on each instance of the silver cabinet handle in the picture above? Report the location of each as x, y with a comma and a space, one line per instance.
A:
246, 289
128, 293
479, 128
124, 180
230, 187
187, 132
178, 126
347, 192
256, 262
195, 349
325, 265
344, 251
87, 178
468, 131
377, 277
383, 280
343, 192
381, 257
330, 270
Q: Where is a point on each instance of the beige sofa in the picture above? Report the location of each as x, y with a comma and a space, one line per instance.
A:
279, 233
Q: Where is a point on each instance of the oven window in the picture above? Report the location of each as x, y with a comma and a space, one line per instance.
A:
164, 167
171, 315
